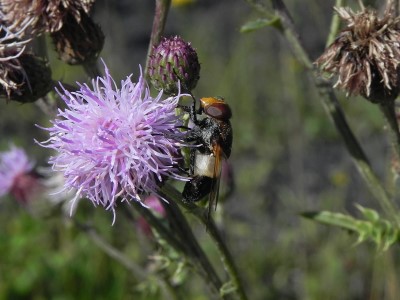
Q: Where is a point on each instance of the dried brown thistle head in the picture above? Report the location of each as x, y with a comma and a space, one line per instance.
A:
42, 15
365, 56
11, 48
23, 76
78, 42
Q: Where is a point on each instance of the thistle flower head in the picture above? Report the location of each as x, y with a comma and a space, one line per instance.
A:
173, 61
16, 176
116, 142
42, 15
365, 56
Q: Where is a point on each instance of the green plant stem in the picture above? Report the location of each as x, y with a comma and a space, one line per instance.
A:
335, 25
212, 230
160, 18
389, 113
114, 253
288, 30
180, 224
187, 246
334, 110
361, 4
156, 224
140, 273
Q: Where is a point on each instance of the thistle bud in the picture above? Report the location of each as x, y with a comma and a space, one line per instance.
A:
78, 42
154, 204
32, 79
173, 61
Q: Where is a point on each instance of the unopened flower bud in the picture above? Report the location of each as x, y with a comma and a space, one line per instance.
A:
78, 42
173, 61
155, 205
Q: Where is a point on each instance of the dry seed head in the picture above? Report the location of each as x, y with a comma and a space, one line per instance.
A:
11, 69
36, 80
43, 15
365, 56
78, 42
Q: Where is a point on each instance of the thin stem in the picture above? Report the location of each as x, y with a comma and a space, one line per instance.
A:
288, 30
140, 273
361, 4
180, 224
160, 18
393, 125
114, 253
334, 110
335, 25
212, 230
156, 224
182, 245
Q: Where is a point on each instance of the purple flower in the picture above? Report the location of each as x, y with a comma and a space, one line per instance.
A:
116, 142
18, 178
13, 164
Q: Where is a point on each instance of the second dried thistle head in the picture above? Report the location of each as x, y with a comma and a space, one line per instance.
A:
365, 56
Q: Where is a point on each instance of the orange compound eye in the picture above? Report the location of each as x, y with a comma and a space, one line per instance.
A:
216, 108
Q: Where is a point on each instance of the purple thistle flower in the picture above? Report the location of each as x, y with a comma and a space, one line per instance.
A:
13, 165
116, 142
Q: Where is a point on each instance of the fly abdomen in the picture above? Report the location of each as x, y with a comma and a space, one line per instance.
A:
197, 188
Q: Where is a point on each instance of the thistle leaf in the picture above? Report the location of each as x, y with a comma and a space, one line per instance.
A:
369, 214
260, 23
372, 227
330, 218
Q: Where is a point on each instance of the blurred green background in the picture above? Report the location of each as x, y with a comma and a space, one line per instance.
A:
287, 158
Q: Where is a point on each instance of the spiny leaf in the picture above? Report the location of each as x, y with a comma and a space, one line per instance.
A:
261, 23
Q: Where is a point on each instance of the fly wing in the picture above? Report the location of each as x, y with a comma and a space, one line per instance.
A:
214, 193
